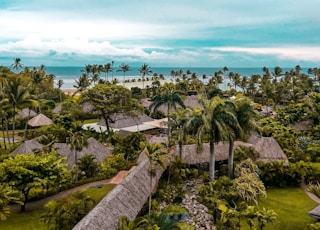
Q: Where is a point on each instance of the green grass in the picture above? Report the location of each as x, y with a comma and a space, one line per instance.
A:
90, 121
292, 206
30, 219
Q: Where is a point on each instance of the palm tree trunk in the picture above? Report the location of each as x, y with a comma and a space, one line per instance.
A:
13, 123
211, 161
180, 149
76, 163
3, 134
230, 161
7, 131
26, 126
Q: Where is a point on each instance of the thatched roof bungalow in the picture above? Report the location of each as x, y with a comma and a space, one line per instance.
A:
27, 147
126, 199
122, 120
190, 155
40, 120
268, 148
94, 147
26, 112
315, 212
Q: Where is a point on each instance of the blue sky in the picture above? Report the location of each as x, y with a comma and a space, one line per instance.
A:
166, 33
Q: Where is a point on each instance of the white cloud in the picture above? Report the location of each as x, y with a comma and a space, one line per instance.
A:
298, 53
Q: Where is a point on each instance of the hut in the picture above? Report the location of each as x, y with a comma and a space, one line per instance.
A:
28, 147
40, 120
268, 148
122, 120
94, 148
26, 112
126, 199
190, 155
57, 109
192, 101
315, 212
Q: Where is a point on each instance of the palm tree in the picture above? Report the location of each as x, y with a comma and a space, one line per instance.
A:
246, 116
167, 96
144, 70
124, 68
137, 224
77, 142
106, 68
82, 84
216, 116
16, 64
17, 96
156, 155
59, 84
178, 123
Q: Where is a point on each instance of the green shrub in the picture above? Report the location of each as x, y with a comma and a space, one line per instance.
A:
112, 164
315, 189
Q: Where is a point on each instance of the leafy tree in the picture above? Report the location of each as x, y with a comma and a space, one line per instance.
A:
7, 194
66, 214
88, 165
27, 171
111, 99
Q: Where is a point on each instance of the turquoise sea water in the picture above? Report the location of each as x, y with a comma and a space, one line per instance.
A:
70, 74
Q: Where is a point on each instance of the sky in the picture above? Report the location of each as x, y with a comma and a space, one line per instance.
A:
166, 33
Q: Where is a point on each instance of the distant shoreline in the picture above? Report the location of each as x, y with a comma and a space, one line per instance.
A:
128, 85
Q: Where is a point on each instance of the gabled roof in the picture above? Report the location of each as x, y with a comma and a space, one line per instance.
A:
27, 147
268, 148
122, 120
40, 120
94, 147
26, 112
190, 155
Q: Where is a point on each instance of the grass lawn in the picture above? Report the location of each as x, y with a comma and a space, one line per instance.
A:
292, 206
30, 219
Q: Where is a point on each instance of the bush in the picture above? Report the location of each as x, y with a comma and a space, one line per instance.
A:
112, 164
279, 174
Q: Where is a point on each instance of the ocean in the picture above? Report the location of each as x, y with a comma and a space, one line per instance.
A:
69, 74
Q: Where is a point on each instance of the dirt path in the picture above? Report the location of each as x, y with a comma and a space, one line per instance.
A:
311, 195
36, 204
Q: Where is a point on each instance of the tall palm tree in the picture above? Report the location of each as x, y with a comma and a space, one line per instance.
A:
59, 84
246, 116
168, 96
178, 123
216, 116
77, 142
144, 70
106, 68
82, 83
17, 96
16, 64
156, 155
124, 68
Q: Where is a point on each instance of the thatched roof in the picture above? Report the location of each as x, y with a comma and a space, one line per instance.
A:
27, 147
192, 101
94, 147
158, 139
304, 125
145, 102
57, 109
268, 148
315, 212
126, 199
122, 120
159, 123
26, 112
190, 155
40, 120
